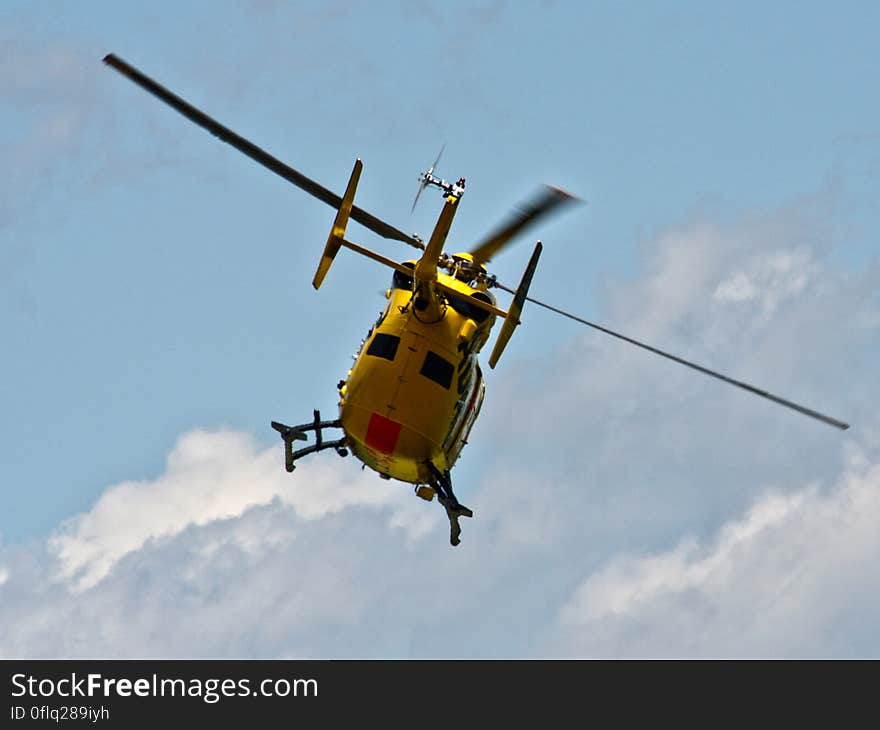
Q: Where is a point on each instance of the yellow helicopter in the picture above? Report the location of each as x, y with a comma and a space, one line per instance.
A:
409, 402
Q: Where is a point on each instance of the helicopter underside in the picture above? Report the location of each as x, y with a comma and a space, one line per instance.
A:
398, 448
388, 447
393, 449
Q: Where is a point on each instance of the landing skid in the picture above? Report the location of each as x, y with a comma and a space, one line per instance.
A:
442, 484
289, 434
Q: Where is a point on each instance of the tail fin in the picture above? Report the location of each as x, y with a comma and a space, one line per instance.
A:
334, 241
512, 319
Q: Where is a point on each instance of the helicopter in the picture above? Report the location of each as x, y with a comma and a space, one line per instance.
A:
410, 400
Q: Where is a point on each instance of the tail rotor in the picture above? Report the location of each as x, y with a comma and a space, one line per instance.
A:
426, 177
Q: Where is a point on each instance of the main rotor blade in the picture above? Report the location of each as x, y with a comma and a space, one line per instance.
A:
537, 207
255, 153
745, 386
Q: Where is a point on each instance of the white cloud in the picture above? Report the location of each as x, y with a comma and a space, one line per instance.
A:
771, 278
777, 580
210, 476
738, 288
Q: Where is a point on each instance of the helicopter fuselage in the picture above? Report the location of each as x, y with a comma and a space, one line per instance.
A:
416, 386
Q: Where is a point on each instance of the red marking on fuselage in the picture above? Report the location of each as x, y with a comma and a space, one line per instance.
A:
382, 434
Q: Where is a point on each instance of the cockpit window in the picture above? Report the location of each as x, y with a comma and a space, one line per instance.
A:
437, 369
400, 280
384, 346
465, 308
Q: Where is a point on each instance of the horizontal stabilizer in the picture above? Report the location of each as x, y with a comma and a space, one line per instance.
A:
512, 319
338, 233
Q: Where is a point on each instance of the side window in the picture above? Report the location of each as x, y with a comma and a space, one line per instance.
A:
384, 346
402, 281
461, 305
437, 369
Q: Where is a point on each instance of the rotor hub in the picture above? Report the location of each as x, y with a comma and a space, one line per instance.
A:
455, 189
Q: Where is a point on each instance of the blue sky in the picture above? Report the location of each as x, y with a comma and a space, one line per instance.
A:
157, 313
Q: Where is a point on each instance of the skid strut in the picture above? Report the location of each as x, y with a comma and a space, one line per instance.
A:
289, 434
